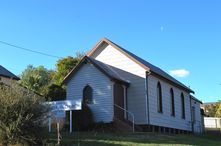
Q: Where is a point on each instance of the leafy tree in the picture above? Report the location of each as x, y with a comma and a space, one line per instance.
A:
55, 93
22, 115
64, 66
218, 111
36, 78
80, 55
210, 109
47, 82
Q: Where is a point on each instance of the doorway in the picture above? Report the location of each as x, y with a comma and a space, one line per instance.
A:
119, 101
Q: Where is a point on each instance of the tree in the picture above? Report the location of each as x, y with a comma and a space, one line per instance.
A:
48, 82
22, 115
80, 55
210, 109
63, 67
218, 111
36, 78
55, 93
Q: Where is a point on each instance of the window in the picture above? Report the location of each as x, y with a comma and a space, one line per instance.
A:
87, 95
172, 103
159, 98
183, 106
193, 115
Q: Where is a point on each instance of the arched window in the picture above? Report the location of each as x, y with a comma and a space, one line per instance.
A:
183, 106
172, 102
159, 98
88, 95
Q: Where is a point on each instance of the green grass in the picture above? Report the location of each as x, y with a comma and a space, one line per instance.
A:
136, 139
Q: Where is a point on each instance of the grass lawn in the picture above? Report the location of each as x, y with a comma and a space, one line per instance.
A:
135, 139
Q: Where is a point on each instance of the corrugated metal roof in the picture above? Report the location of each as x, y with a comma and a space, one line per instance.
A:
153, 68
194, 98
104, 68
109, 70
5, 73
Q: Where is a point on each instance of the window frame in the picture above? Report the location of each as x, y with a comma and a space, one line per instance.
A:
159, 98
193, 110
172, 103
88, 100
183, 114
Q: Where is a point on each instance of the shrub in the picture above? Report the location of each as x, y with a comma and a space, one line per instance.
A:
82, 119
22, 115
104, 127
55, 93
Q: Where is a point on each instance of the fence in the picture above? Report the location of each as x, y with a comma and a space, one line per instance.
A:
212, 122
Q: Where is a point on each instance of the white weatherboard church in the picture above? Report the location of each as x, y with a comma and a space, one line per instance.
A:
117, 85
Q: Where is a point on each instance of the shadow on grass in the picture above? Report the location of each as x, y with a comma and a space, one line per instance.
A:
124, 139
82, 143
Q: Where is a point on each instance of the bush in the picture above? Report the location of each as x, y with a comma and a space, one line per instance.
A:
104, 127
22, 115
55, 93
82, 119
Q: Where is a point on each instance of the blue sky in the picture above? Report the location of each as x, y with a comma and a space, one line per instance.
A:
173, 35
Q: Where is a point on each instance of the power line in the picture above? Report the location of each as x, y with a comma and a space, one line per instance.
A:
29, 50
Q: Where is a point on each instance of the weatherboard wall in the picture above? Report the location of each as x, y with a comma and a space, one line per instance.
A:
102, 108
165, 119
131, 71
198, 127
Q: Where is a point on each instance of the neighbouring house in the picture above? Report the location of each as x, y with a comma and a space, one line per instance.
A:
6, 76
117, 85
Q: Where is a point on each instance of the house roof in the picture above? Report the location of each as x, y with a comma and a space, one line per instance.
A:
6, 73
143, 63
197, 100
104, 68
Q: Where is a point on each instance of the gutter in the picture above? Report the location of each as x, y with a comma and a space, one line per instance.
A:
147, 97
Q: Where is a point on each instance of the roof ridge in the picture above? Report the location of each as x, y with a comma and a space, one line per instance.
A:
109, 67
99, 65
145, 64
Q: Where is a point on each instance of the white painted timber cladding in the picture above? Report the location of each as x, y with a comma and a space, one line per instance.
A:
102, 108
132, 72
198, 125
165, 119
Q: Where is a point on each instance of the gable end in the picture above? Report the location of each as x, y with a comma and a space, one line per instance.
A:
145, 65
99, 66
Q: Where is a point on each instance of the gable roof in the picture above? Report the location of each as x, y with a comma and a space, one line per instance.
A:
104, 68
6, 73
143, 63
197, 100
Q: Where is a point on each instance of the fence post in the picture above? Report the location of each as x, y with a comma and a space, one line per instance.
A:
70, 121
